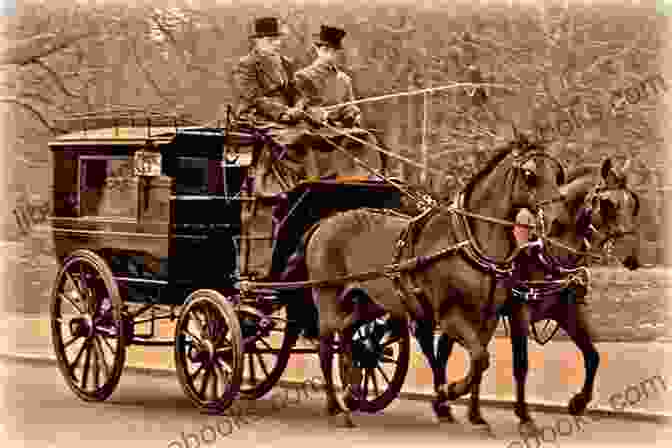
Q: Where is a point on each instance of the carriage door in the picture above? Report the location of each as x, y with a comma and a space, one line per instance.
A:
204, 221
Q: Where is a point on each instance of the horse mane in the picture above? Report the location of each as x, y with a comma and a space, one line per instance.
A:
492, 163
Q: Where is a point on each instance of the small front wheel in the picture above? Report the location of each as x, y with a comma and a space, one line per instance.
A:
209, 350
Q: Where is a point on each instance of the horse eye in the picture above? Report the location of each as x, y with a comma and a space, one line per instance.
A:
530, 177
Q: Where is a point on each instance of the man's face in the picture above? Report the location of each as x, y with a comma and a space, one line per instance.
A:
326, 53
270, 44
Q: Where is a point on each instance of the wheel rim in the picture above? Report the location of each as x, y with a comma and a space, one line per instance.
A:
382, 379
88, 340
267, 348
207, 353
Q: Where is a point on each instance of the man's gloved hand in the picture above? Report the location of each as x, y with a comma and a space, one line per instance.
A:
292, 115
351, 116
317, 114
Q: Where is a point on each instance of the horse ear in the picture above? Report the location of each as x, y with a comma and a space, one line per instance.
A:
606, 168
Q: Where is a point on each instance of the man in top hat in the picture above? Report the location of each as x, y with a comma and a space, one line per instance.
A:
263, 78
322, 84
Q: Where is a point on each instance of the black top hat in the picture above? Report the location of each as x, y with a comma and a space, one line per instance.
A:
330, 36
266, 27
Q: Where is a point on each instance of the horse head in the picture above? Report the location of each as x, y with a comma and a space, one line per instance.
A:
599, 207
521, 175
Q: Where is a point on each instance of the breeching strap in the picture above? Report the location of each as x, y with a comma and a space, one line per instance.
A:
389, 270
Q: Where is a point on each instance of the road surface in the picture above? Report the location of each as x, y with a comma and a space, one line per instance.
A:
152, 412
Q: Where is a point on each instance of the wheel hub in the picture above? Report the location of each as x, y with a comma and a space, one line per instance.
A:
81, 326
202, 354
366, 348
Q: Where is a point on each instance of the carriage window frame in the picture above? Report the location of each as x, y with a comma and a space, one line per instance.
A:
81, 160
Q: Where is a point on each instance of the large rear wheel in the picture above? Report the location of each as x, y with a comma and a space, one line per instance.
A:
381, 349
87, 333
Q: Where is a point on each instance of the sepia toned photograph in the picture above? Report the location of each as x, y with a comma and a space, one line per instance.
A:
335, 223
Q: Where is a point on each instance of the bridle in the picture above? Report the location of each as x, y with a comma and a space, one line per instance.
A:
607, 238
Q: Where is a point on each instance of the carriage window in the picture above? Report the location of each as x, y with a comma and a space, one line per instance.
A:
107, 186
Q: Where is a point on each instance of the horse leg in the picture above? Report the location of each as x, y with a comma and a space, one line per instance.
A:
329, 325
424, 334
520, 325
575, 323
475, 416
456, 326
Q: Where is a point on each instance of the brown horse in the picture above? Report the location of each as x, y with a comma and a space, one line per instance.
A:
598, 208
451, 290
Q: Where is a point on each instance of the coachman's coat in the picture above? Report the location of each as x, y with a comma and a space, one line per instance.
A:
264, 85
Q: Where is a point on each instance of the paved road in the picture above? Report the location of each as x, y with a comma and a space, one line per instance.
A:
151, 412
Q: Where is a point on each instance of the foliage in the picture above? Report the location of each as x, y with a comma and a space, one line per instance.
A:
77, 58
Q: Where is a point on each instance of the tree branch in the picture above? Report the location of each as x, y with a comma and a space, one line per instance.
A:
29, 107
57, 79
25, 51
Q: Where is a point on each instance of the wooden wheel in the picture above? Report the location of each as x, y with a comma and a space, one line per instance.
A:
208, 350
268, 342
86, 326
383, 347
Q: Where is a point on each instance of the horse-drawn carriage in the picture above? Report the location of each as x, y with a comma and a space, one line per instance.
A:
147, 226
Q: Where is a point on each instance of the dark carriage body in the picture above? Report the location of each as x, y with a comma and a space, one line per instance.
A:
177, 230
161, 234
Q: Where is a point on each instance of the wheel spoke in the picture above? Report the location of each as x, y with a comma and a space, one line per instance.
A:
198, 340
101, 355
366, 383
204, 384
192, 376
63, 296
73, 366
376, 390
389, 360
225, 375
391, 341
253, 376
382, 372
87, 364
268, 346
96, 366
69, 342
262, 363
112, 350
215, 382
74, 283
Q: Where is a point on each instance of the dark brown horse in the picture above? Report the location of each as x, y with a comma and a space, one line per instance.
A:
598, 209
449, 292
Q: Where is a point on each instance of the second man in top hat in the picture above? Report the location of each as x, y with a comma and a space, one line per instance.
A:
323, 84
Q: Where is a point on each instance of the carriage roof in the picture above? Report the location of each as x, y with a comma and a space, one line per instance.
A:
167, 139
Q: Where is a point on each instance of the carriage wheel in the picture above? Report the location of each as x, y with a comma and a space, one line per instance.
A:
385, 366
268, 345
208, 350
88, 337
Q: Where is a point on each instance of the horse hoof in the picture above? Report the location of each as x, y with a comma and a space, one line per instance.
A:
578, 404
343, 420
451, 393
477, 420
528, 429
443, 412
485, 429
